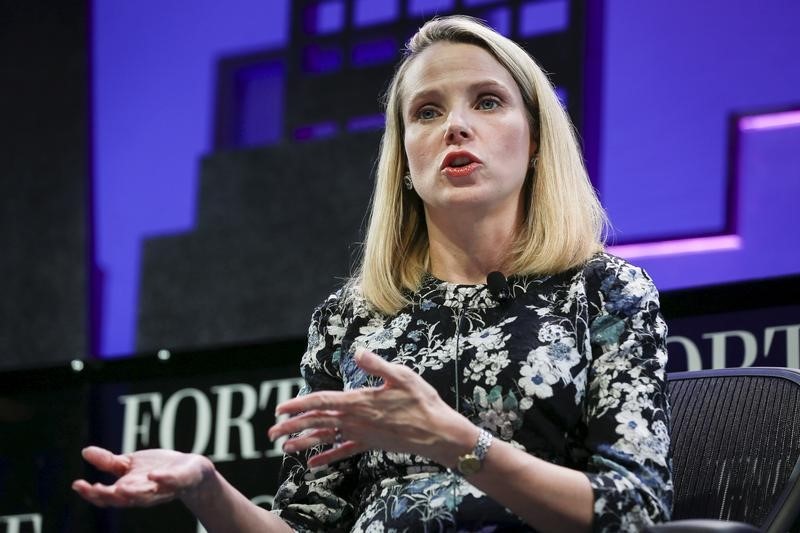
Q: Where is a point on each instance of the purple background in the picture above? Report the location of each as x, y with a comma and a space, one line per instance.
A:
673, 76
153, 87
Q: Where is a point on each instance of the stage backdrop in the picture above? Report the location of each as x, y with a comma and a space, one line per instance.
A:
695, 161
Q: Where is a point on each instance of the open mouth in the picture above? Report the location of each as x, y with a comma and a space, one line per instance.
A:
458, 164
458, 159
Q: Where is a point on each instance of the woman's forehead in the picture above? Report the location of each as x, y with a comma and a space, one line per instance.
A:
443, 65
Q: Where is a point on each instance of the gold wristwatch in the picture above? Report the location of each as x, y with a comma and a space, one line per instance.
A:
471, 463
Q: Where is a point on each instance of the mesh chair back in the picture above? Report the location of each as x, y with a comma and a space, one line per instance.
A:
736, 445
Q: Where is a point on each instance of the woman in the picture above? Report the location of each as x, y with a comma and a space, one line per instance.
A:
433, 400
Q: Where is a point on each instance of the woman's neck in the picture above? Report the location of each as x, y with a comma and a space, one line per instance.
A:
464, 249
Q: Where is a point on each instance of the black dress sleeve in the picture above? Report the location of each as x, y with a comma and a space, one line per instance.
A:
319, 499
627, 410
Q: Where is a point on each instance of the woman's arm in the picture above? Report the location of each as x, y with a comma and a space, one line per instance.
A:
407, 415
222, 508
546, 496
151, 477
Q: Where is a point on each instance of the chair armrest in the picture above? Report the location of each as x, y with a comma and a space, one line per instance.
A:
702, 526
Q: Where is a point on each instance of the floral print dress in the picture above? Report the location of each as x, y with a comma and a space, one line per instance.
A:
570, 369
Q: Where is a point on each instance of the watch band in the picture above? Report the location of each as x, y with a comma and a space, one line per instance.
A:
472, 462
482, 446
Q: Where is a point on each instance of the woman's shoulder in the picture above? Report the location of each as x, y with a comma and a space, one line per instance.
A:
604, 269
600, 270
618, 286
347, 301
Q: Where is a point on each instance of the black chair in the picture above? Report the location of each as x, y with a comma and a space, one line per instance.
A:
736, 450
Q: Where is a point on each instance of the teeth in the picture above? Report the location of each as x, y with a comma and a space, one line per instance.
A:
460, 161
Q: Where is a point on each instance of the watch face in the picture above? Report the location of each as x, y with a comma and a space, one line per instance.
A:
468, 464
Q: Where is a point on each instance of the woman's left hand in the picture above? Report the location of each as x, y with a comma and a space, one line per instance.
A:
405, 414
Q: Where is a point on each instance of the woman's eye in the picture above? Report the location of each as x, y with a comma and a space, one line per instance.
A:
426, 113
488, 104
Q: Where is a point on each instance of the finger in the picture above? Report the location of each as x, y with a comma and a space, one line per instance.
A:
99, 494
106, 461
322, 400
107, 496
309, 420
347, 449
376, 365
84, 489
310, 439
301, 423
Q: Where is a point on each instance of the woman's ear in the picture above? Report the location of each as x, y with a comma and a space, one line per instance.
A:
533, 148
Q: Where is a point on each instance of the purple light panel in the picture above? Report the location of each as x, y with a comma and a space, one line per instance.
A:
473, 3
425, 8
324, 17
375, 52
767, 242
499, 19
539, 18
677, 247
366, 122
369, 12
782, 119
316, 131
673, 75
321, 59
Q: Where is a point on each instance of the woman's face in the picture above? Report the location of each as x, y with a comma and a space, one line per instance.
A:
467, 136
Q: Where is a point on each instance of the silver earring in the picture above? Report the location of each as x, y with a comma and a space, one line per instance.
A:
533, 161
407, 181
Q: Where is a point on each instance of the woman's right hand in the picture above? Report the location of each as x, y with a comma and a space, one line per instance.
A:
144, 478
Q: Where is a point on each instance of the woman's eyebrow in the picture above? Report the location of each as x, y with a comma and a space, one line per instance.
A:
488, 85
422, 95
475, 87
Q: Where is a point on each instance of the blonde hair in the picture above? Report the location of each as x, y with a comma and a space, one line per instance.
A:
563, 224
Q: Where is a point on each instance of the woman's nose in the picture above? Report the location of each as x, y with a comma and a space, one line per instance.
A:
458, 130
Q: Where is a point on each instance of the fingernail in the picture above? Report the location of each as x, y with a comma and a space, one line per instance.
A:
359, 354
289, 447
